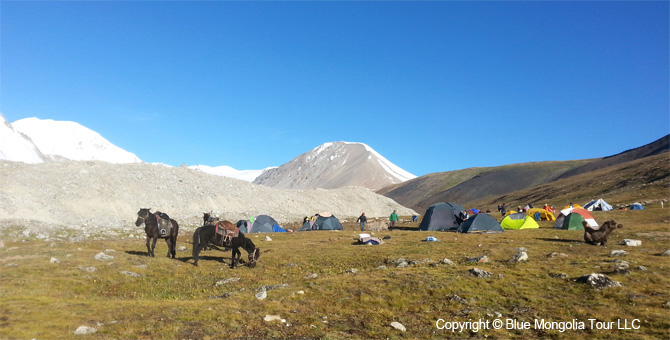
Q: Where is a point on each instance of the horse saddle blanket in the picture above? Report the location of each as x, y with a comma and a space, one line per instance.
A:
227, 232
164, 225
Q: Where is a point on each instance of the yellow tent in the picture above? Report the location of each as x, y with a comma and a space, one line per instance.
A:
544, 215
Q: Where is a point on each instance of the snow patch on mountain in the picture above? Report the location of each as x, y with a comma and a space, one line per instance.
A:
17, 147
226, 171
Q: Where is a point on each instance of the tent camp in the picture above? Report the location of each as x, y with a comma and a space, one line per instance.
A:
518, 221
571, 219
480, 223
441, 216
322, 223
543, 214
598, 204
261, 224
636, 206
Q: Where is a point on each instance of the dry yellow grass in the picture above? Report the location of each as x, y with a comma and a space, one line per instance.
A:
172, 299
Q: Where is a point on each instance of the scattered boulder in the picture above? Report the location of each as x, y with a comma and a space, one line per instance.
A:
519, 257
54, 260
82, 330
631, 243
182, 248
398, 326
267, 238
103, 257
480, 273
666, 253
618, 253
226, 281
352, 270
555, 255
642, 268
271, 287
598, 281
458, 299
447, 262
270, 318
311, 276
262, 295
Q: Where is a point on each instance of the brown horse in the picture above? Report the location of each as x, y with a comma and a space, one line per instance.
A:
158, 225
236, 239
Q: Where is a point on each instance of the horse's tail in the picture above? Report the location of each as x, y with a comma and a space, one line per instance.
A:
196, 240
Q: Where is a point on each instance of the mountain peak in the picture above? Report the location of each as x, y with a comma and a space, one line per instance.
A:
334, 165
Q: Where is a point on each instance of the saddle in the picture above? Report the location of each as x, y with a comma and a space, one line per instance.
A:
227, 232
164, 224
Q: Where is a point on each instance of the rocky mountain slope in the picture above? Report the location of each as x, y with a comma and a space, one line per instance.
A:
335, 165
478, 185
102, 195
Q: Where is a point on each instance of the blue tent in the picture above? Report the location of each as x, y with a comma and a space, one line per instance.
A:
636, 206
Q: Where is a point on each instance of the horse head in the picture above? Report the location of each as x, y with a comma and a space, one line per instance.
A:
253, 257
142, 215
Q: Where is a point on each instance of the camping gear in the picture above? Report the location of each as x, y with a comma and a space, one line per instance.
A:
636, 206
322, 223
441, 216
598, 204
371, 240
431, 239
480, 223
260, 224
518, 221
544, 215
585, 214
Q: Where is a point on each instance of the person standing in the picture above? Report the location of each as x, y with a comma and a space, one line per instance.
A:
363, 220
393, 219
503, 210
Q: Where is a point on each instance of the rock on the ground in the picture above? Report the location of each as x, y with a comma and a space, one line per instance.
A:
397, 325
480, 273
598, 281
82, 330
519, 257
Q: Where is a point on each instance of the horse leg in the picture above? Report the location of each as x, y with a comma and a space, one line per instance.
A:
169, 244
148, 246
153, 245
236, 255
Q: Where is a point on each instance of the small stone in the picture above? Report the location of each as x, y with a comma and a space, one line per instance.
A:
301, 292
598, 281
270, 318
81, 330
458, 299
311, 276
103, 257
398, 326
54, 260
521, 249
226, 281
480, 273
262, 295
182, 248
267, 238
666, 253
618, 253
352, 271
555, 255
447, 262
559, 275
382, 267
88, 269
520, 257
631, 243
402, 265
131, 274
642, 268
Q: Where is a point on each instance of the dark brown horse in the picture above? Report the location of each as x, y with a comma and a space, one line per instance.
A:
208, 233
158, 225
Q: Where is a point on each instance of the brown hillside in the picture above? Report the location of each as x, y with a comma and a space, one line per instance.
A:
645, 180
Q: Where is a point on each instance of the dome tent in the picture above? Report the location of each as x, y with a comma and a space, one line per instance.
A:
636, 206
261, 224
441, 216
598, 204
585, 214
480, 223
518, 221
322, 223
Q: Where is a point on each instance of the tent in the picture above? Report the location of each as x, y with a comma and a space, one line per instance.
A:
322, 223
598, 204
636, 206
480, 223
544, 215
518, 221
441, 216
261, 224
571, 219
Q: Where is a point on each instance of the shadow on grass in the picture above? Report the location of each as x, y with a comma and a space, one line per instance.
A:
561, 240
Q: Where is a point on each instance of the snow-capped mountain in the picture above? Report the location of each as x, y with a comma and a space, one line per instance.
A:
226, 171
17, 147
335, 165
70, 140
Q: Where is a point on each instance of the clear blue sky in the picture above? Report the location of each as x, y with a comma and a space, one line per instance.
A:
432, 86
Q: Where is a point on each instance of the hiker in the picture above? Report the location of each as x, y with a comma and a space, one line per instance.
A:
415, 218
362, 219
393, 219
546, 207
462, 216
503, 210
519, 209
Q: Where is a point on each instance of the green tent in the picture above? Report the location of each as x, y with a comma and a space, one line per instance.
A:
480, 223
322, 223
518, 221
573, 222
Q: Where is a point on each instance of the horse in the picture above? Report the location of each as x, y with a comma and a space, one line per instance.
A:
151, 228
208, 233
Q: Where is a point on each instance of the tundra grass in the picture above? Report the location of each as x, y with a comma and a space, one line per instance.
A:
172, 299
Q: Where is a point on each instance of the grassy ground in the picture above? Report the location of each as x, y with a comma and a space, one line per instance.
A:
172, 299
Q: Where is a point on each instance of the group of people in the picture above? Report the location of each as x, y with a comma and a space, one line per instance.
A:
392, 220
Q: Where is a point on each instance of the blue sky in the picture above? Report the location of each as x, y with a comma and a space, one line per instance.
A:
432, 86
